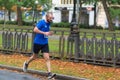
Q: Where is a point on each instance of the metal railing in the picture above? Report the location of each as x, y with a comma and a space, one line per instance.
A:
94, 47
100, 48
16, 40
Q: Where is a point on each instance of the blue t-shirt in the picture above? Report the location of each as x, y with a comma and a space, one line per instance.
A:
41, 38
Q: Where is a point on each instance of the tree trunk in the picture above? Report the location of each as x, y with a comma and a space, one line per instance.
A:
108, 15
9, 15
19, 15
4, 17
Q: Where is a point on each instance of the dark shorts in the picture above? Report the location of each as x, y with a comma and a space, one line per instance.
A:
42, 48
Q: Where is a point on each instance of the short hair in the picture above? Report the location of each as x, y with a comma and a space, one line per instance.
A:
49, 13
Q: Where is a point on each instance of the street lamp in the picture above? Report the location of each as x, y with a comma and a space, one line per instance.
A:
74, 35
74, 24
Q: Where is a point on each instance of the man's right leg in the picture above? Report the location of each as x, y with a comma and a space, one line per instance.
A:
26, 63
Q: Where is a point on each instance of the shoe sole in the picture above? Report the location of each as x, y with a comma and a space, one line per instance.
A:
24, 70
52, 76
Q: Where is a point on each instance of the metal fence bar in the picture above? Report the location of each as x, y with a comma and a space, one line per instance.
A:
62, 45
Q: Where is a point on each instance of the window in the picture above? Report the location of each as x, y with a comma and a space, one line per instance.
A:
65, 15
66, 1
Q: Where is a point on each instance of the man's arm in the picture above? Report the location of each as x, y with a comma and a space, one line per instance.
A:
36, 30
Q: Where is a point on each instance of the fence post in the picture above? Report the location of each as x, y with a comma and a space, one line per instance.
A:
77, 44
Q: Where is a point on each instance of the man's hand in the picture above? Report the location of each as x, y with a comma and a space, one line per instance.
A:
50, 33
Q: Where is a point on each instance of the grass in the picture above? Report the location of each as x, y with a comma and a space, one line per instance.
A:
0, 40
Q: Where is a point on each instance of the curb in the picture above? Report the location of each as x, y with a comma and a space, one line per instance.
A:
42, 73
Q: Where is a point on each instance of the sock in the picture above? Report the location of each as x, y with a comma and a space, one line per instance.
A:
49, 73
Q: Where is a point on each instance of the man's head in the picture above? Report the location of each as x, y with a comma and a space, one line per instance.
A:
49, 17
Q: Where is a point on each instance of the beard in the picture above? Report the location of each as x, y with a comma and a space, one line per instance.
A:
50, 21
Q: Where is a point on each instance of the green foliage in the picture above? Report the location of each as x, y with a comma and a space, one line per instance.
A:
28, 3
67, 25
31, 3
7, 4
11, 22
108, 1
2, 22
61, 25
114, 12
113, 1
27, 23
25, 3
15, 23
8, 22
116, 28
83, 26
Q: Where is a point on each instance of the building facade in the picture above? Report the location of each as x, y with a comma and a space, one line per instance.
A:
63, 10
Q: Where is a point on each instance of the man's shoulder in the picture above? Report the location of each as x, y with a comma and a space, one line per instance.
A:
42, 20
41, 23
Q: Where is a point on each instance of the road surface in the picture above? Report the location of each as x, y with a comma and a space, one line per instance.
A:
10, 75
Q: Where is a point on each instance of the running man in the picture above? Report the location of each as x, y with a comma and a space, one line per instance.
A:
42, 30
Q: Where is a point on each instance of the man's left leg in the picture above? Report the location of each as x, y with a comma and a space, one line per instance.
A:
47, 59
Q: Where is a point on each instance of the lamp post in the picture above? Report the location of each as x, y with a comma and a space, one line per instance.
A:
74, 25
74, 35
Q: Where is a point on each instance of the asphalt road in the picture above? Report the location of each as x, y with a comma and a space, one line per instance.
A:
9, 75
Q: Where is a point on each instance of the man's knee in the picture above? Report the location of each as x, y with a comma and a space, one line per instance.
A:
34, 56
46, 56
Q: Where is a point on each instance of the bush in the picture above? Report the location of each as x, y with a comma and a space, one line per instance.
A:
89, 27
15, 23
1, 21
61, 24
67, 25
8, 22
116, 28
11, 22
84, 26
27, 23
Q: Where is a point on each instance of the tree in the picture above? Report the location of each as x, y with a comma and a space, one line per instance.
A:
19, 13
114, 12
105, 4
7, 4
37, 6
108, 15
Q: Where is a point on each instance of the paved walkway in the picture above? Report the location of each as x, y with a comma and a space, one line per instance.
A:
9, 75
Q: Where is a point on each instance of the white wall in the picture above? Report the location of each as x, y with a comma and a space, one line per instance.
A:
70, 16
91, 18
57, 16
56, 2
